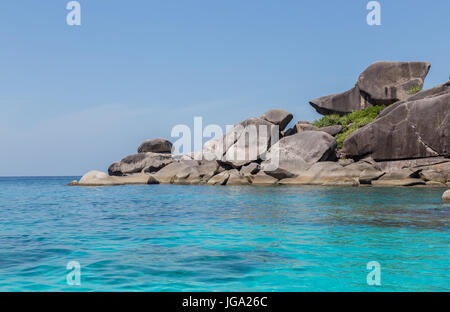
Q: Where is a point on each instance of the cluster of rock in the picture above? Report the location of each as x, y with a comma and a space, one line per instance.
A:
408, 144
382, 83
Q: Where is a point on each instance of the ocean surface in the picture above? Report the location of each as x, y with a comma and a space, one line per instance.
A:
210, 238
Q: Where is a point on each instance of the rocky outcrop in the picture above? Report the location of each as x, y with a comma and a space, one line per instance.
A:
412, 129
278, 117
406, 145
155, 146
143, 162
382, 83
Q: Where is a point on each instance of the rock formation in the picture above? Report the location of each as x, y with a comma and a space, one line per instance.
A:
382, 83
408, 144
155, 146
411, 129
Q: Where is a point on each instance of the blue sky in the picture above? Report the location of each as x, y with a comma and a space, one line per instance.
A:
76, 98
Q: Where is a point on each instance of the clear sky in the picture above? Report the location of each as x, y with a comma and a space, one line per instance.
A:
76, 98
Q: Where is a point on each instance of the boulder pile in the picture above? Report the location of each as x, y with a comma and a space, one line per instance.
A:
408, 144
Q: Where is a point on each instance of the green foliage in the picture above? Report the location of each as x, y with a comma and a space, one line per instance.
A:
415, 89
326, 121
349, 122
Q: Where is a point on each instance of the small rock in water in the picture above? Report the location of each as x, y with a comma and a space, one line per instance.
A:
446, 196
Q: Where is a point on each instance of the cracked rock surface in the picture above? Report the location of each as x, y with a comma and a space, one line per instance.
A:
411, 129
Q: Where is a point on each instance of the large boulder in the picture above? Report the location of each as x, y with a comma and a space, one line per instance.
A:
142, 162
167, 174
197, 172
278, 117
293, 154
97, 178
155, 146
413, 129
382, 83
325, 173
242, 144
187, 172
388, 82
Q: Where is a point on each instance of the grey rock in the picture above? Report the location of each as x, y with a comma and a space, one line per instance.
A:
401, 174
446, 196
345, 162
388, 82
148, 162
414, 129
298, 152
401, 182
167, 174
369, 175
324, 173
262, 179
155, 146
253, 141
219, 179
97, 178
305, 127
250, 169
382, 83
429, 93
340, 103
278, 117
235, 178
435, 184
431, 175
242, 144
290, 131
391, 165
332, 130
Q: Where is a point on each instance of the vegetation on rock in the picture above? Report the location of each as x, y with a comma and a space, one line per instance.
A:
349, 122
415, 90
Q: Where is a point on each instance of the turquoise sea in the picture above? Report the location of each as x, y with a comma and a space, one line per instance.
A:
210, 238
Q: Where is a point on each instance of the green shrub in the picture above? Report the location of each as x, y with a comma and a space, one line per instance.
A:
349, 122
415, 89
326, 121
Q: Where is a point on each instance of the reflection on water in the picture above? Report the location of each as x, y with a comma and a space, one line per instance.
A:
179, 238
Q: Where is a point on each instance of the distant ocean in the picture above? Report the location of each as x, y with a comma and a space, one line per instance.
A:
211, 238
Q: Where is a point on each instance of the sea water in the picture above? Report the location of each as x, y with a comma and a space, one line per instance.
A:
220, 238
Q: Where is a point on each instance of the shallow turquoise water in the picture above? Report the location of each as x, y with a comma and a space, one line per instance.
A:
195, 238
